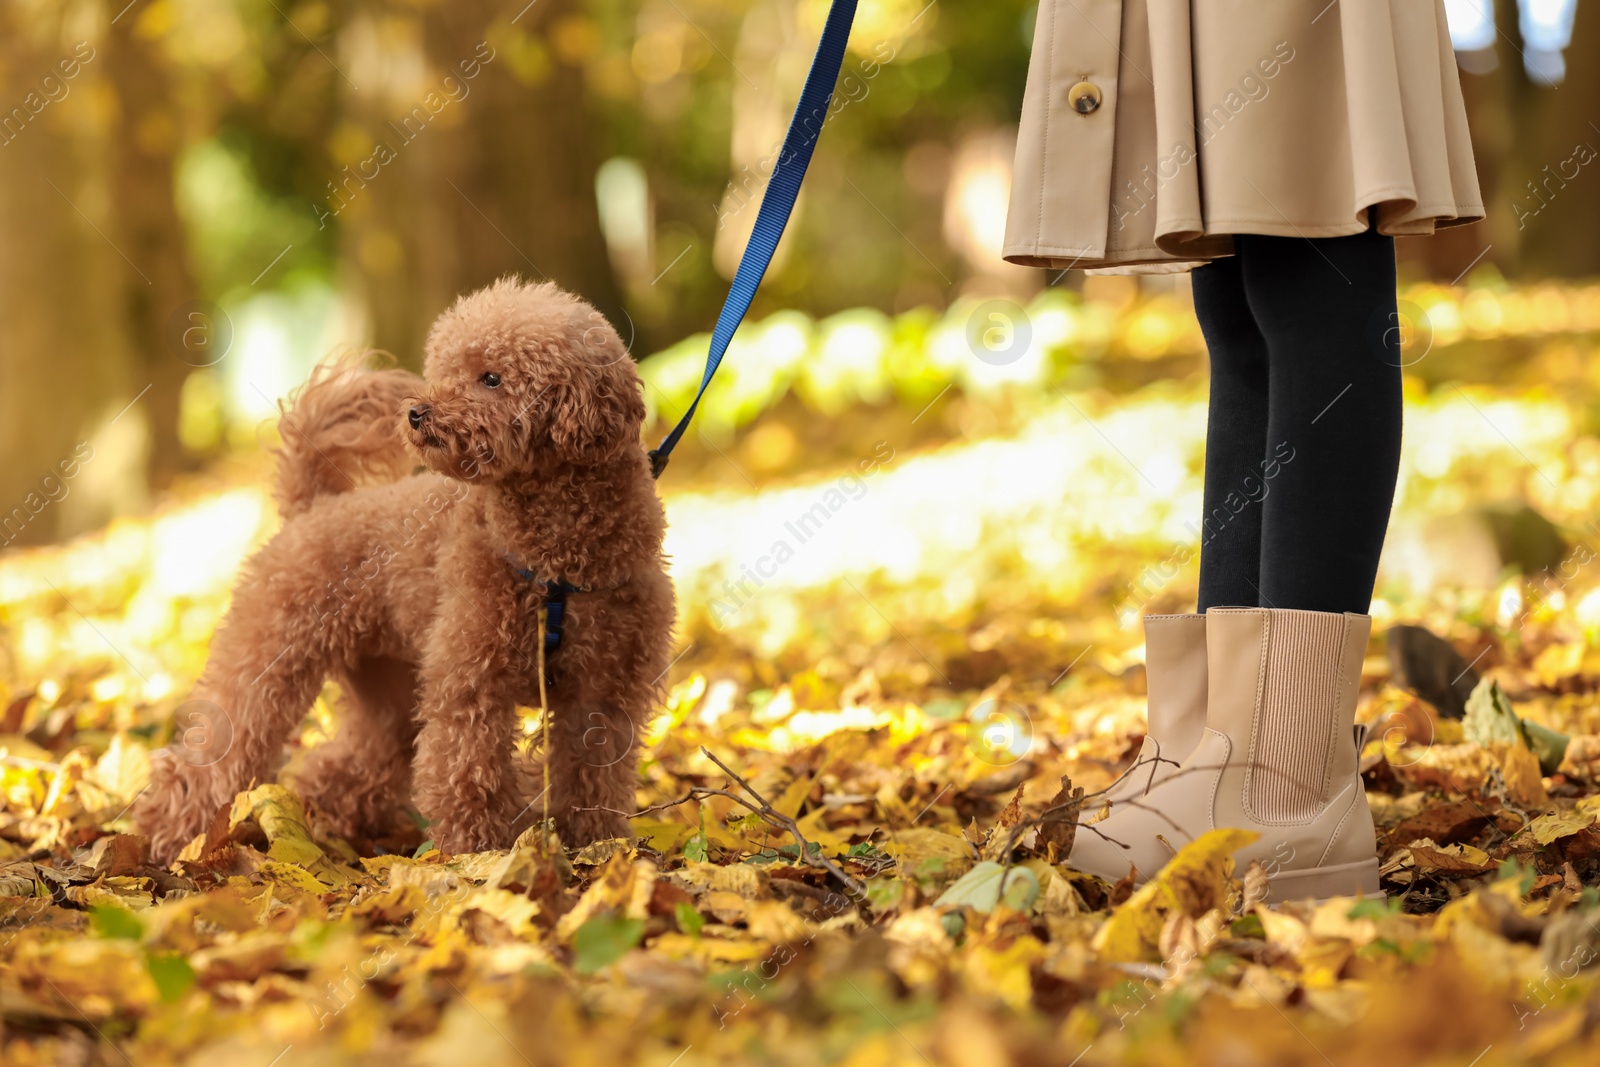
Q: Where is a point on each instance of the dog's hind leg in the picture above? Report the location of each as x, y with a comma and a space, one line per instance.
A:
361, 780
267, 664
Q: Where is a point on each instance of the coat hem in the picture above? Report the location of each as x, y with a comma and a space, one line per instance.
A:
1180, 256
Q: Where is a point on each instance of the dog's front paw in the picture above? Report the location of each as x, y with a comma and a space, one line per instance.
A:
475, 832
579, 828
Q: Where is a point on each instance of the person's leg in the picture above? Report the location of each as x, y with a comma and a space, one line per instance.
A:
1278, 755
1236, 437
1327, 310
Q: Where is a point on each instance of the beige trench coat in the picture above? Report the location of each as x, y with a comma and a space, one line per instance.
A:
1154, 130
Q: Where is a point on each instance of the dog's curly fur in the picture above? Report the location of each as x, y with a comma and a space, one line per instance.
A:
404, 588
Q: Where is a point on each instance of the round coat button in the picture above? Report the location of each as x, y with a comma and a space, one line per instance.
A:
1084, 97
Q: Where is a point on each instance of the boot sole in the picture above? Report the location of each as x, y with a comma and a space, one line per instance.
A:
1325, 883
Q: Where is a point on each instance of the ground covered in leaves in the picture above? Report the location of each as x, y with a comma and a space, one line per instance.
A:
850, 841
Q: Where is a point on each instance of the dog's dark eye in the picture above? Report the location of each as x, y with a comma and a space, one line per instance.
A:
491, 379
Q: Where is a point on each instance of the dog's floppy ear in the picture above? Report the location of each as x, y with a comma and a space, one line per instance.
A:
596, 414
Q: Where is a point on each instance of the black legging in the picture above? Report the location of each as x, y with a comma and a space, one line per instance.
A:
1303, 438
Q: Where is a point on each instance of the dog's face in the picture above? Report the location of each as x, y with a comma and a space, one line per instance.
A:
521, 375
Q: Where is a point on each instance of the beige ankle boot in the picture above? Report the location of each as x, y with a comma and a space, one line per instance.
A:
1175, 679
1278, 757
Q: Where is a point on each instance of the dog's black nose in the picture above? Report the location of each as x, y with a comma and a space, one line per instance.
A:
417, 414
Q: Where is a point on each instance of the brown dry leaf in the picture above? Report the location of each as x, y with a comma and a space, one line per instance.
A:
22, 880
1459, 768
1005, 835
118, 854
16, 711
1444, 823
1059, 825
1450, 859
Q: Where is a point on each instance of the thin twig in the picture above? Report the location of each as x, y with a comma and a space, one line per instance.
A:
544, 725
760, 808
785, 822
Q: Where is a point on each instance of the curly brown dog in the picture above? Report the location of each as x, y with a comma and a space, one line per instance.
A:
420, 593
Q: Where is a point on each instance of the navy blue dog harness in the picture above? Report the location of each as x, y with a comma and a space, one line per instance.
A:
555, 605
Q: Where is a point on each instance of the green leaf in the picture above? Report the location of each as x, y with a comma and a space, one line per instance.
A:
1249, 926
602, 941
172, 974
885, 893
1489, 716
698, 848
426, 846
944, 708
1549, 745
1514, 870
1374, 908
110, 921
981, 888
689, 920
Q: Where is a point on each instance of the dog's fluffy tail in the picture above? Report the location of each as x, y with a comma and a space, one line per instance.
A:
341, 430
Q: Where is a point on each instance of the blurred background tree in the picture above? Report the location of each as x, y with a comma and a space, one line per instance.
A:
222, 192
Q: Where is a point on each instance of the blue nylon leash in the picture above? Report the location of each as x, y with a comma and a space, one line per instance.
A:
777, 204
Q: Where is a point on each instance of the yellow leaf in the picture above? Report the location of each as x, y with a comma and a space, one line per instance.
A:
1194, 881
1003, 973
817, 833
709, 950
742, 878
1495, 960
665, 835
624, 887
793, 797
280, 816
1524, 783
775, 922
925, 853
292, 876
726, 907
391, 905
1282, 930
512, 909
1558, 824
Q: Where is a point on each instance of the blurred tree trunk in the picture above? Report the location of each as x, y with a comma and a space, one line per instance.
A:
486, 167
144, 139
1559, 152
1542, 201
1455, 249
62, 375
